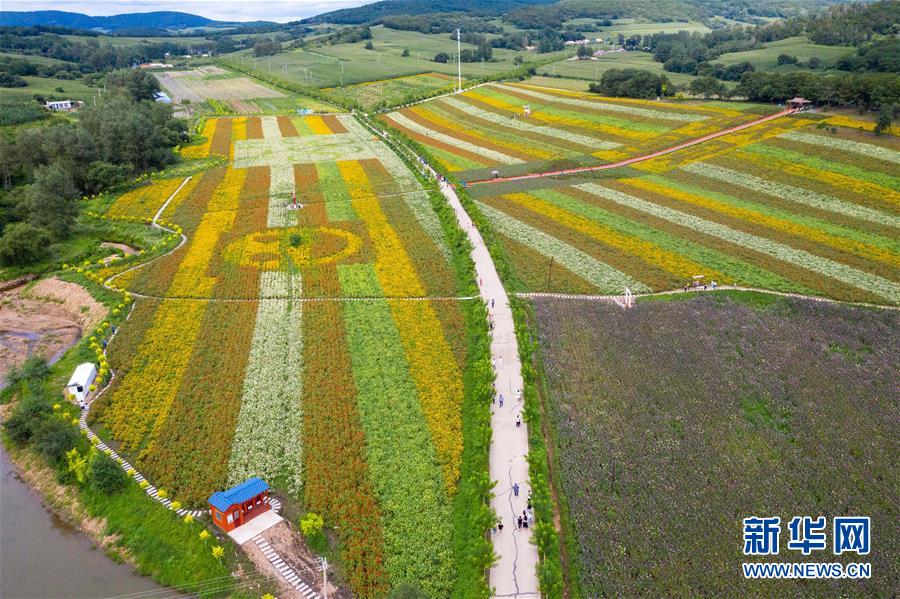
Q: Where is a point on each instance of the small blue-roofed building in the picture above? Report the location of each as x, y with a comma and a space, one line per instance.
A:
239, 504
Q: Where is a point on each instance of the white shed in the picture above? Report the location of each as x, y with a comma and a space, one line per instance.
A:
59, 105
81, 380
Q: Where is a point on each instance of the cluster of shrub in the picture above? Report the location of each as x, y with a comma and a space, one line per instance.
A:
45, 170
49, 426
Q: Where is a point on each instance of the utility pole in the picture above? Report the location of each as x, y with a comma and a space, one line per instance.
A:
324, 562
458, 60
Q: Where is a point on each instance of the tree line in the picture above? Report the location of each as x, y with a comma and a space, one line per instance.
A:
868, 91
45, 170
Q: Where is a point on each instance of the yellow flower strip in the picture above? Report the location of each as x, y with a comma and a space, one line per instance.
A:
393, 266
523, 147
238, 132
184, 194
143, 398
843, 121
561, 120
202, 150
191, 280
145, 200
437, 379
646, 251
856, 186
434, 371
758, 218
317, 125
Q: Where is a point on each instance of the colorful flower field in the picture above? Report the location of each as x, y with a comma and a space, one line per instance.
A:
486, 128
318, 345
675, 419
783, 206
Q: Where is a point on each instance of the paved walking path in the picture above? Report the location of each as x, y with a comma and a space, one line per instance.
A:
629, 161
515, 573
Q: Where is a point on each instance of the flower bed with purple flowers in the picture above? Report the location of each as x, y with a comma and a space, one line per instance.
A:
677, 419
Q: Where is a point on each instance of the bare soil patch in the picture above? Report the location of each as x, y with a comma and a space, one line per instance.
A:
44, 319
127, 250
291, 548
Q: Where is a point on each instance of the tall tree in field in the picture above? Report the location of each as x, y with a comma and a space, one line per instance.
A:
51, 202
141, 85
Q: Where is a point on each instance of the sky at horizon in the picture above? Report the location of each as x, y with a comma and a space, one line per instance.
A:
280, 11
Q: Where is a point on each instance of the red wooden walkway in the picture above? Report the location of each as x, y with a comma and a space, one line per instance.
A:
600, 167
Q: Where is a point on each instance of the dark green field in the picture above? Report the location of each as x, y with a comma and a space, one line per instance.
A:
676, 420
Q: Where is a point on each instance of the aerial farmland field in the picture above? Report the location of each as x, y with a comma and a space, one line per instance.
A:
674, 420
485, 128
242, 94
320, 347
391, 92
785, 205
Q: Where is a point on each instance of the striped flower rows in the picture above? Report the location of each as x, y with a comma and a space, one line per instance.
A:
554, 98
792, 193
846, 145
493, 155
879, 286
267, 439
582, 264
354, 406
524, 125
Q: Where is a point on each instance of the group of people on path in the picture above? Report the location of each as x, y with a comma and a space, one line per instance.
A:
525, 520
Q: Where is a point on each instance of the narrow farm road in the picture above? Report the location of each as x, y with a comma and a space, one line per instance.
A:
515, 573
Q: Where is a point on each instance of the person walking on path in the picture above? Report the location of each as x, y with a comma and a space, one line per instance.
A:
516, 489
518, 424
500, 526
519, 522
501, 400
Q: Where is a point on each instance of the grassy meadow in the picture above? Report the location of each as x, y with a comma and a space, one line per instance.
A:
766, 59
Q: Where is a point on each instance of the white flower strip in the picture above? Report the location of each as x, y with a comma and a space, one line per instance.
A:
605, 277
410, 124
267, 438
270, 127
846, 145
487, 115
281, 178
606, 106
792, 194
829, 268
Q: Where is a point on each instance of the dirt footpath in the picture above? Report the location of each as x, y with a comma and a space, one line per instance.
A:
295, 554
44, 319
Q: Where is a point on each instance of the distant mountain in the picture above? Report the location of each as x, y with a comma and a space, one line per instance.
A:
164, 20
390, 8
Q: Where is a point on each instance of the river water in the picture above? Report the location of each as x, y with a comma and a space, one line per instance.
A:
42, 557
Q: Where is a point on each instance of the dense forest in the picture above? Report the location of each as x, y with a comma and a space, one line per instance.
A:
45, 170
